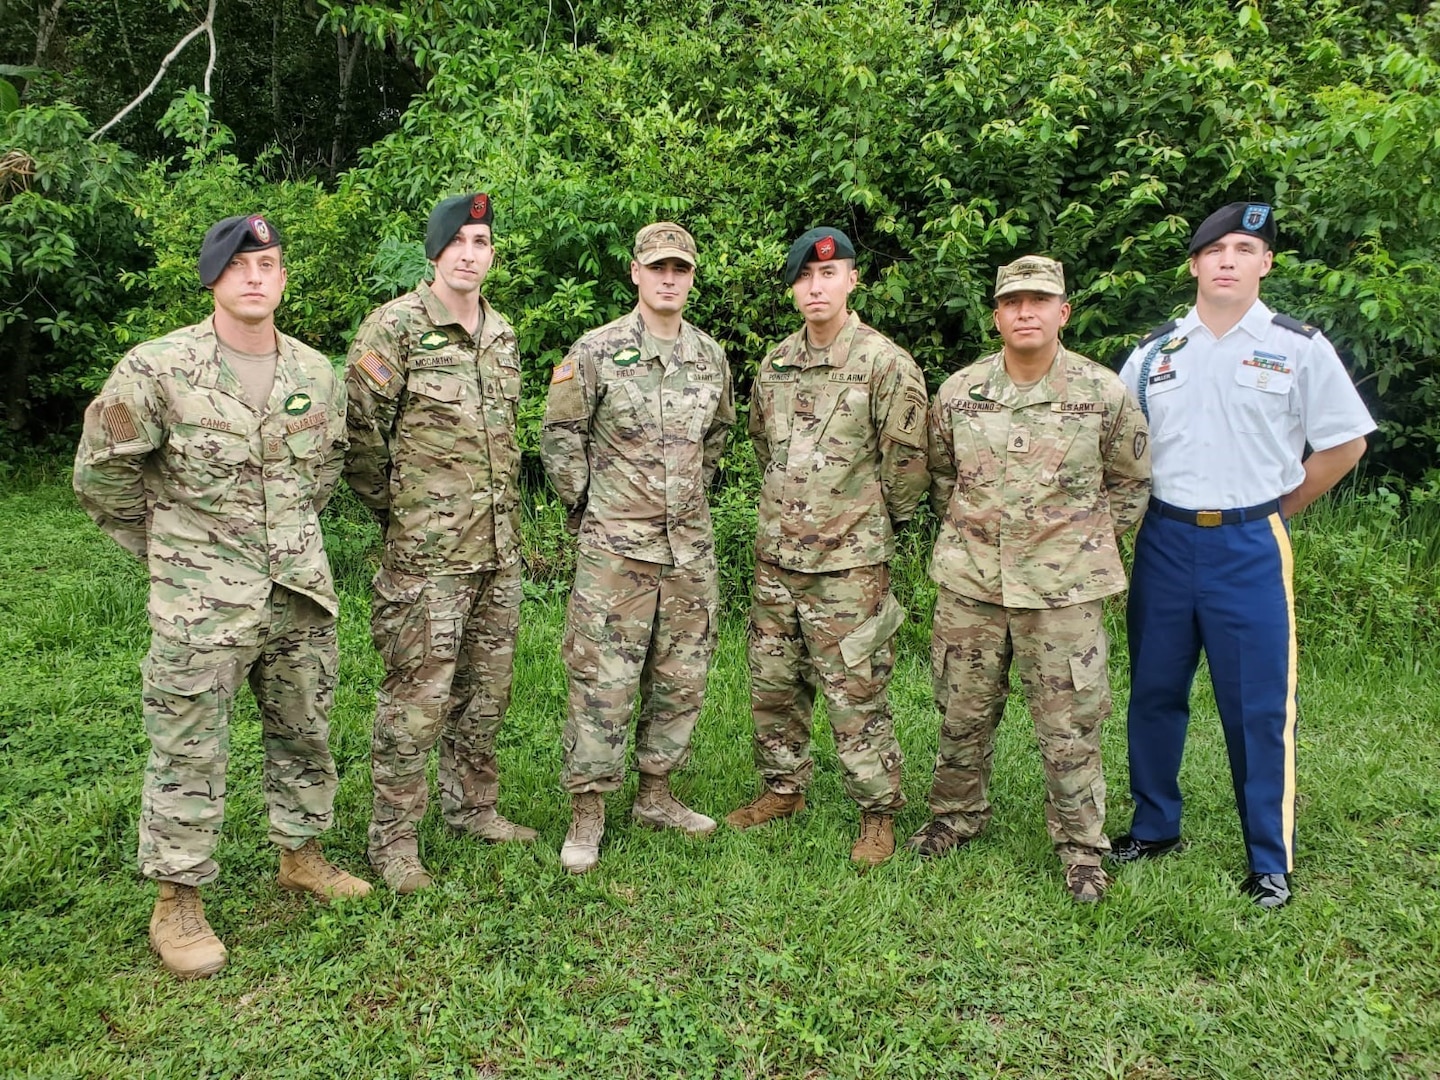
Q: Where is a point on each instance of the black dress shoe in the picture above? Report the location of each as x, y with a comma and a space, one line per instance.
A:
1267, 890
1128, 848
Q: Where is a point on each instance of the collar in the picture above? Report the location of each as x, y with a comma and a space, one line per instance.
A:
440, 315
998, 386
1255, 322
839, 349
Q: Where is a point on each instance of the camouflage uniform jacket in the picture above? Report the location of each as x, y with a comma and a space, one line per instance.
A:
1034, 486
634, 444
842, 446
432, 418
222, 501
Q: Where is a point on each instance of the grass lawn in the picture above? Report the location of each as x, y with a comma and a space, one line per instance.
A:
760, 954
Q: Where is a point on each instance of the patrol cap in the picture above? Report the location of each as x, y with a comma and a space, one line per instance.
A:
453, 214
818, 245
1242, 217
230, 236
664, 240
1032, 273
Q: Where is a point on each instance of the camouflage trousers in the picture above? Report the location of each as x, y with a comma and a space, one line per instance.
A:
1060, 656
635, 628
448, 642
189, 694
835, 630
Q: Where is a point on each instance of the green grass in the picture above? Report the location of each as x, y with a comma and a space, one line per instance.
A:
748, 955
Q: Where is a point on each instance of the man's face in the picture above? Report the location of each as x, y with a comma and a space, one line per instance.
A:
463, 263
250, 287
822, 289
1229, 270
663, 286
1030, 321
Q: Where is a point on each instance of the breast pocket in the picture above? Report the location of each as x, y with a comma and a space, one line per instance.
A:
206, 463
702, 399
1073, 462
1261, 402
436, 410
975, 462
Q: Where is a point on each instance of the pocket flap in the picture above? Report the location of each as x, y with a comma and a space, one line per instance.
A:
862, 642
186, 684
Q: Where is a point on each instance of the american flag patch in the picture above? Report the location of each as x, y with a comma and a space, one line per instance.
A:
563, 371
119, 423
374, 365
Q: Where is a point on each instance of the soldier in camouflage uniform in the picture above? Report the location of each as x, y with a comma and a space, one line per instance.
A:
209, 454
637, 419
837, 417
1040, 463
434, 392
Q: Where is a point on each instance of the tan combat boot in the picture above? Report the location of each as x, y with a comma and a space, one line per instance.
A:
768, 806
179, 933
656, 808
307, 870
877, 840
405, 873
1087, 884
495, 828
581, 851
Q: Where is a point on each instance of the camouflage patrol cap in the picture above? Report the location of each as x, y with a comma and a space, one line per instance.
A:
665, 240
818, 245
453, 214
1257, 219
1032, 273
230, 236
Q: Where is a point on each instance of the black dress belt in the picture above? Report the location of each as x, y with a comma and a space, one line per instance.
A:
1210, 518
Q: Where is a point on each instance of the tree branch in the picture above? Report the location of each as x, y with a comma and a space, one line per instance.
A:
208, 29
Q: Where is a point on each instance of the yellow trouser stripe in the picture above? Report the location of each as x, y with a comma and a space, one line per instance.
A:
1287, 571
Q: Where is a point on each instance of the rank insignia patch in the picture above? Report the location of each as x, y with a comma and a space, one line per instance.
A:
298, 404
434, 339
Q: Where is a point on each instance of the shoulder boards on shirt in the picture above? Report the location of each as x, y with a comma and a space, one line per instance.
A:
1163, 328
1302, 328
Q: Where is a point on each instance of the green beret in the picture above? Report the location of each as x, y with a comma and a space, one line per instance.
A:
451, 215
229, 236
1254, 218
817, 245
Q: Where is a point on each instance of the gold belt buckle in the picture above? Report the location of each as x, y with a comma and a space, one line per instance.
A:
1209, 518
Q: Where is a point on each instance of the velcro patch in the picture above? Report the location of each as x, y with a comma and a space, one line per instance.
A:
418, 362
1078, 406
216, 424
779, 376
315, 419
374, 365
850, 376
562, 372
978, 406
119, 423
912, 416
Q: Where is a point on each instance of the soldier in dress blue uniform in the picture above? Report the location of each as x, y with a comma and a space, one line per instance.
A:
1233, 393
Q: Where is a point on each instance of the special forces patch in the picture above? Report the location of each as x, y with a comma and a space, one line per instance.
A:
1140, 441
434, 339
298, 404
911, 419
977, 392
626, 357
1174, 345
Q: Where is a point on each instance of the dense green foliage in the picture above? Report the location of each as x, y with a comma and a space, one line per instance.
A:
759, 954
945, 139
